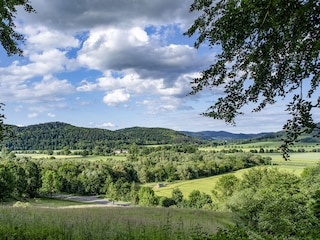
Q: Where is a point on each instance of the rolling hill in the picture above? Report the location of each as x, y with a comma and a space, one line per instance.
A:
56, 135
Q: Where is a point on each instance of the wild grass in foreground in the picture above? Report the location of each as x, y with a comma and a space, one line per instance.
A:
108, 223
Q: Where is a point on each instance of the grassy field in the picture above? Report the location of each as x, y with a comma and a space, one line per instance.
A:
73, 157
53, 222
205, 185
296, 164
267, 145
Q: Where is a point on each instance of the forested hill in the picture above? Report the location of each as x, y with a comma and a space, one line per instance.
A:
222, 135
57, 135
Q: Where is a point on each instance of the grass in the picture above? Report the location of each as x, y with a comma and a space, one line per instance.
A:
109, 223
257, 145
296, 164
205, 185
73, 157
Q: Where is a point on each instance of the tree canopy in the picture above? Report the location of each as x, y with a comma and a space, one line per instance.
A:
9, 38
270, 50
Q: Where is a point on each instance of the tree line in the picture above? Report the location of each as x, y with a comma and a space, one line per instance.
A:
57, 135
119, 180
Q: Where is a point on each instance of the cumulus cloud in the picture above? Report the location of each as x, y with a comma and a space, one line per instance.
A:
116, 97
127, 41
123, 49
41, 38
106, 125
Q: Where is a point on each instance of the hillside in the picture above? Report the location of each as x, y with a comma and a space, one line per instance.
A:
142, 135
222, 135
246, 138
56, 135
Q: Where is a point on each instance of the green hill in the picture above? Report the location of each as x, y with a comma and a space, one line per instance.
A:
56, 135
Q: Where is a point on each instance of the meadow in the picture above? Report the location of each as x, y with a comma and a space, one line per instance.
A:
52, 219
296, 164
72, 157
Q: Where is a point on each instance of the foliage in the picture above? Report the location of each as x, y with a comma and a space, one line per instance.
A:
225, 187
9, 37
199, 200
2, 126
50, 182
269, 51
177, 196
7, 182
272, 202
147, 197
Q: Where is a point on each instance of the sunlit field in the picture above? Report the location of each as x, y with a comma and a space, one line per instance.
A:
296, 164
73, 157
205, 185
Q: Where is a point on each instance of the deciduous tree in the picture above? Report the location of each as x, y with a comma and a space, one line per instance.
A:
9, 38
270, 50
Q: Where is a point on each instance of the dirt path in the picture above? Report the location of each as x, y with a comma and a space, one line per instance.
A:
90, 199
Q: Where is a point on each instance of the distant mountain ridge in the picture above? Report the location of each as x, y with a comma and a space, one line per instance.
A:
222, 135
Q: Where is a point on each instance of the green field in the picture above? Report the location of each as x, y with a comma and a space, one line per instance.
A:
296, 164
205, 185
43, 222
72, 157
266, 145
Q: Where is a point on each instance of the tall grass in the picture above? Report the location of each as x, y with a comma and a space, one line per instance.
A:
108, 223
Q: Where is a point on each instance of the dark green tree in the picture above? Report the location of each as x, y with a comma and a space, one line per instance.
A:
177, 196
20, 178
269, 51
199, 200
33, 178
7, 182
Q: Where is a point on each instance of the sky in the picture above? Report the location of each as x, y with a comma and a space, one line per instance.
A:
115, 64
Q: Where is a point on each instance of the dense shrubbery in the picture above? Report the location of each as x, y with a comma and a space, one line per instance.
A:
272, 204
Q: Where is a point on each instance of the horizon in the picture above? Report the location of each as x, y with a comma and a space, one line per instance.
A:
142, 127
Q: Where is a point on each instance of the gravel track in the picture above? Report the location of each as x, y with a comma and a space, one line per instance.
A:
90, 199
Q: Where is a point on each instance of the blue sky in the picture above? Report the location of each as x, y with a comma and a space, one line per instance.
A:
114, 64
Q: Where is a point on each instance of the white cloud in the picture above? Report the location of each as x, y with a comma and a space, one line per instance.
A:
116, 97
41, 38
48, 89
106, 125
33, 115
52, 115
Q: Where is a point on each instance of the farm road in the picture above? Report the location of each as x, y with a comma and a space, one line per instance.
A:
90, 199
